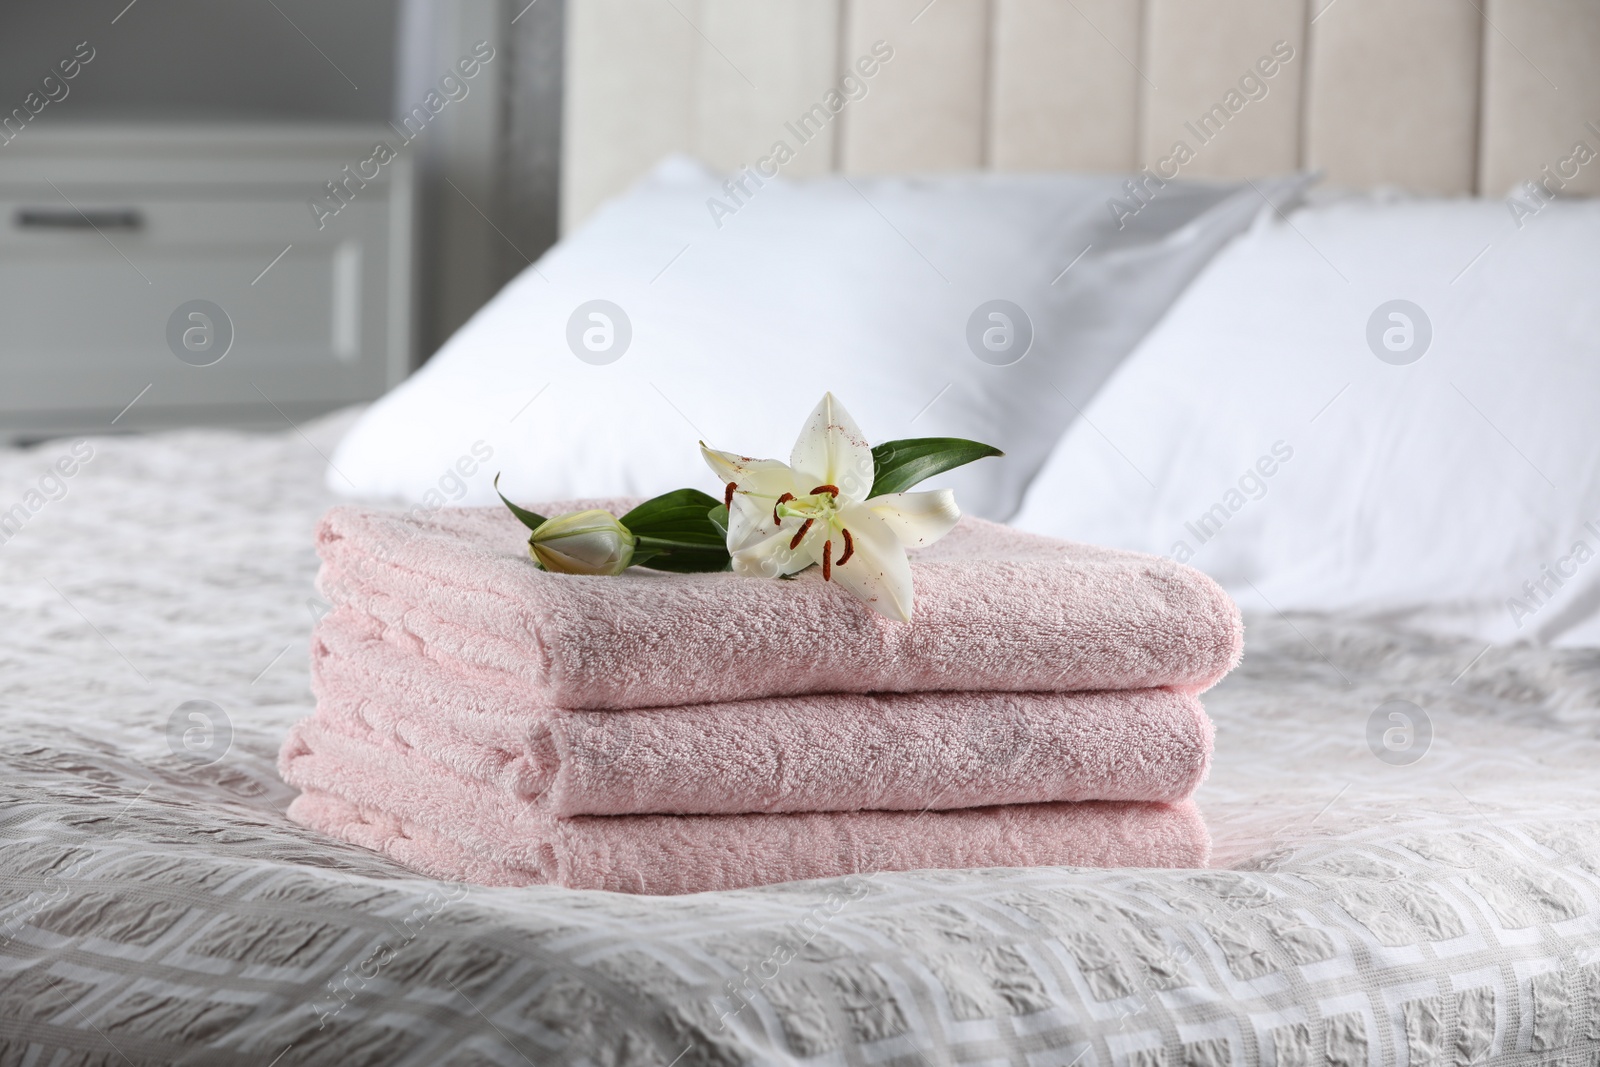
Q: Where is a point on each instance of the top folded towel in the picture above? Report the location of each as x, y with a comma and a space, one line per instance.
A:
997, 609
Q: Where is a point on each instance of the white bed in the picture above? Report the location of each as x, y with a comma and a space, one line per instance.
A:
1406, 869
159, 908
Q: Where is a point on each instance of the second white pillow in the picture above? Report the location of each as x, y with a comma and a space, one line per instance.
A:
1385, 408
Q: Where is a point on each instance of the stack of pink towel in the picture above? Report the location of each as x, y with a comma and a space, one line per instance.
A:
482, 720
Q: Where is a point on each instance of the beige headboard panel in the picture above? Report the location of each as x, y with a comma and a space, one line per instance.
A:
1438, 96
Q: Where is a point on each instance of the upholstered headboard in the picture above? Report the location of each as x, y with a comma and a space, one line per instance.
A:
1438, 96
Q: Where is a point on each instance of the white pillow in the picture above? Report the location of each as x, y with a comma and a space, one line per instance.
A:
740, 321
1258, 434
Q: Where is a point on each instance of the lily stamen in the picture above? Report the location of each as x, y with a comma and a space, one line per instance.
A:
849, 547
805, 528
827, 561
727, 494
832, 489
785, 498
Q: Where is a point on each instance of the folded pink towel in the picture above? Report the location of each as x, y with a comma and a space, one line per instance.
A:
997, 610
451, 828
828, 752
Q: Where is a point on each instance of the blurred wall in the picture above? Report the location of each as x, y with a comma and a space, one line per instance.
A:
247, 60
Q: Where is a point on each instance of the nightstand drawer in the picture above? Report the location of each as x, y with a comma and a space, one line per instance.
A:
218, 296
90, 307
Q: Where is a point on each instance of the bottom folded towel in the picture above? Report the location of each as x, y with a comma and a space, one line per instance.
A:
437, 823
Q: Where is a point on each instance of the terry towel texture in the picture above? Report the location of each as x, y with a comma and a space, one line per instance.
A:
829, 752
996, 610
480, 719
693, 853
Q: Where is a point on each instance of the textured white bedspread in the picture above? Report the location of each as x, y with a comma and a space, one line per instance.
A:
157, 908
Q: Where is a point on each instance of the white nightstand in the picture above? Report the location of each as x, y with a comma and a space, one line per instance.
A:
119, 245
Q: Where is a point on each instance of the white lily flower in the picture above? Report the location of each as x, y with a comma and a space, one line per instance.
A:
785, 517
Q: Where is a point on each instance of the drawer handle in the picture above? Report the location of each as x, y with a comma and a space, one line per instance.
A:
36, 218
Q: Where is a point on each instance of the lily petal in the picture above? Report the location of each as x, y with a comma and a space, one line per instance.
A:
917, 518
832, 449
771, 556
760, 477
878, 571
750, 521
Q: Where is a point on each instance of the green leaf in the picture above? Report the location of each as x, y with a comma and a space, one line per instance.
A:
681, 559
531, 519
642, 558
719, 518
899, 465
678, 515
675, 533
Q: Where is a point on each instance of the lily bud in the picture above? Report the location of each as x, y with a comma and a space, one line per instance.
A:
582, 542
